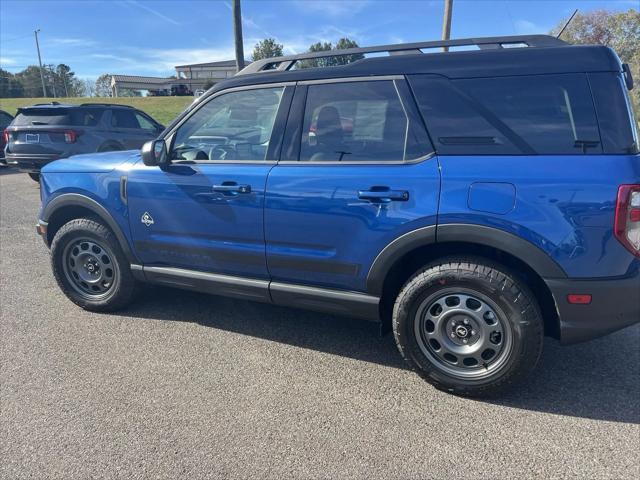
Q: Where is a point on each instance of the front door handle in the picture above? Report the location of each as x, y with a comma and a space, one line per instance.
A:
231, 188
383, 195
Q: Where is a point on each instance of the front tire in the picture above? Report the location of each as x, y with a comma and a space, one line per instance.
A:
468, 326
90, 266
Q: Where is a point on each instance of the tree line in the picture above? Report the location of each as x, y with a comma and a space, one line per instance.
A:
270, 48
59, 81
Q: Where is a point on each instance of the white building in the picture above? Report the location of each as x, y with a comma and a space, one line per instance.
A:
189, 78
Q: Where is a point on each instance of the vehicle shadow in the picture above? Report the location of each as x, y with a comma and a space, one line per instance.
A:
596, 380
5, 170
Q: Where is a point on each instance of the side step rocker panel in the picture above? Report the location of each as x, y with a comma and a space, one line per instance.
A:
352, 304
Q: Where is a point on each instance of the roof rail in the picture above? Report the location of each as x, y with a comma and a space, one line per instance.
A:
484, 43
45, 103
98, 104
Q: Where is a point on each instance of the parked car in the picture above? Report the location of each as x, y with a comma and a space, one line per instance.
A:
5, 120
181, 90
471, 201
45, 132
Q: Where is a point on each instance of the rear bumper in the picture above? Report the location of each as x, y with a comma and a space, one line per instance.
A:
30, 162
615, 305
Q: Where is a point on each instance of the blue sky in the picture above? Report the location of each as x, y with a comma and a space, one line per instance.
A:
150, 37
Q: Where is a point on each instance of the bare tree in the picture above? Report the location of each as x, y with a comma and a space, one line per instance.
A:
89, 87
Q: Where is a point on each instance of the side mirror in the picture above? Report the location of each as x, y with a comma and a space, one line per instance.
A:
154, 153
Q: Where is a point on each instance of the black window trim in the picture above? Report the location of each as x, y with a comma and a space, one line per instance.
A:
293, 131
276, 133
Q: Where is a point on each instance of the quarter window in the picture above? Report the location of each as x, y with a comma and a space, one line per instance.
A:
233, 126
144, 122
356, 121
540, 114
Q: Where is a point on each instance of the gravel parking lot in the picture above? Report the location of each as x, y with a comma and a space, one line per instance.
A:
183, 385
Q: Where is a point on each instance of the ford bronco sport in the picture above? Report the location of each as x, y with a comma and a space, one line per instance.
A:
474, 201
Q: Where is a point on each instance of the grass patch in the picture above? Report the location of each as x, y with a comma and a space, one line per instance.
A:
163, 109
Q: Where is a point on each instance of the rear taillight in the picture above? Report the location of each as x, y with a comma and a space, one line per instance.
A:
627, 222
5, 137
70, 136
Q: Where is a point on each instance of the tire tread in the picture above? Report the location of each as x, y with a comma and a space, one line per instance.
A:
127, 288
505, 281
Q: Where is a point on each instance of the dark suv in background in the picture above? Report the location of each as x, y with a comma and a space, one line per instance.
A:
45, 132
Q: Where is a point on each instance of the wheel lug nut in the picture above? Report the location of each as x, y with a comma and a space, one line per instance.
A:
466, 322
473, 332
453, 335
465, 341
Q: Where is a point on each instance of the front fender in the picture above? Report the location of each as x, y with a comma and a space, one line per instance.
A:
98, 193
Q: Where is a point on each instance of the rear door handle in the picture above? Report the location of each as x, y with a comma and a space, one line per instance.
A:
231, 188
383, 195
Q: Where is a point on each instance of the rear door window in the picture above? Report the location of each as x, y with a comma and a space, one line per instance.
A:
124, 118
357, 121
543, 114
74, 117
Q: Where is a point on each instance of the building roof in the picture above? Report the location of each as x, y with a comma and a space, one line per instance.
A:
140, 79
223, 63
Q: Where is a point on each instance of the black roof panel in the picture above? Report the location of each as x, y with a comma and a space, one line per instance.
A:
458, 64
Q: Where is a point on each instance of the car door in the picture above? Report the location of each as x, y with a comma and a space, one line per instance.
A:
204, 211
357, 171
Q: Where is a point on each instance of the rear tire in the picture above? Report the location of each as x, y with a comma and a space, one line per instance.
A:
90, 266
468, 326
34, 176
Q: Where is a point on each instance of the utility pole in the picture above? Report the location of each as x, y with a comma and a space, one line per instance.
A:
446, 22
237, 32
44, 90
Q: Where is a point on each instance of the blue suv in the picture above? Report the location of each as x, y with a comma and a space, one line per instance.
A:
472, 201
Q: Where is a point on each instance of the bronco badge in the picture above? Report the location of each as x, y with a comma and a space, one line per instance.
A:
147, 219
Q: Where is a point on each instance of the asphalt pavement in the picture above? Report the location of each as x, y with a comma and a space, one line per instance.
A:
185, 385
